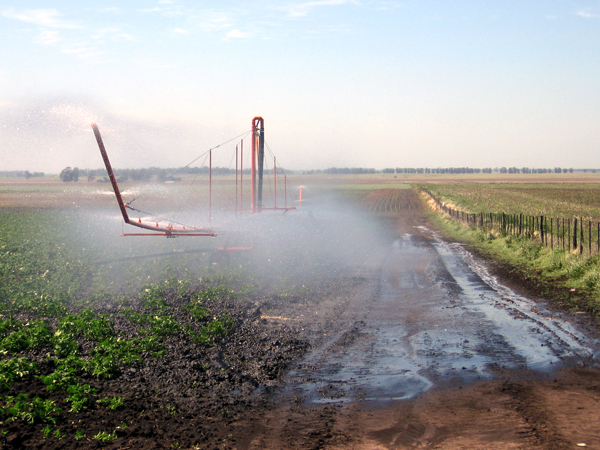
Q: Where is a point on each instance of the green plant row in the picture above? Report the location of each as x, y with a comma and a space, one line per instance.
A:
63, 344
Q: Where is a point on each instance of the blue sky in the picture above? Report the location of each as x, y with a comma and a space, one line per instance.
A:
339, 82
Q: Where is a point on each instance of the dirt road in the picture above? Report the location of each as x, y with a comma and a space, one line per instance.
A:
424, 347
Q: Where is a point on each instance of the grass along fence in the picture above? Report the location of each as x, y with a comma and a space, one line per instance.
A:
571, 234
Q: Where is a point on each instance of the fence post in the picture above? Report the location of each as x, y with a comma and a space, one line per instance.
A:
542, 229
575, 234
580, 236
590, 237
551, 235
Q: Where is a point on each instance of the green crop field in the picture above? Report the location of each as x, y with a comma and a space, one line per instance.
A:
69, 320
548, 199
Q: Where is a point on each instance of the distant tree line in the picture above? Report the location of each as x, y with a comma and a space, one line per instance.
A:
144, 174
438, 170
342, 171
69, 174
21, 173
446, 170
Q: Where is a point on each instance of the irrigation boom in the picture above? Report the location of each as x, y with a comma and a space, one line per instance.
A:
169, 230
256, 188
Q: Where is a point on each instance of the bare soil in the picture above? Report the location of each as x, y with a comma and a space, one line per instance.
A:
239, 393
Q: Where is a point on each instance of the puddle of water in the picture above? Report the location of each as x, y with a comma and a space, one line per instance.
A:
419, 326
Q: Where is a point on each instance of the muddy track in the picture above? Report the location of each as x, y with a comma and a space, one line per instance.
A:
430, 349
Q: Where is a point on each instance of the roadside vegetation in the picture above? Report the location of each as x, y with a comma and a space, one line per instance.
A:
570, 280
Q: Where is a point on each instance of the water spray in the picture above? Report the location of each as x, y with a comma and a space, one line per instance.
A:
256, 187
168, 231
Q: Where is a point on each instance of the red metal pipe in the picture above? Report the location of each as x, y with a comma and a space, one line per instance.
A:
173, 234
253, 170
260, 163
236, 180
258, 128
111, 174
162, 231
242, 176
279, 207
210, 186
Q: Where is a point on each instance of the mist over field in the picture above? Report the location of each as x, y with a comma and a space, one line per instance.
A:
56, 134
298, 246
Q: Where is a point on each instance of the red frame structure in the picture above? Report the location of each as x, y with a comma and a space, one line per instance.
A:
169, 230
256, 187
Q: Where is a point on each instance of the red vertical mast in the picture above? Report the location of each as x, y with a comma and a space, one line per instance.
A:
258, 153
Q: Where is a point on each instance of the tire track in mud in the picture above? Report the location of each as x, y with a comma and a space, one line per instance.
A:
533, 411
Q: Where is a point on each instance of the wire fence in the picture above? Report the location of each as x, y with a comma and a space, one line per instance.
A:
574, 234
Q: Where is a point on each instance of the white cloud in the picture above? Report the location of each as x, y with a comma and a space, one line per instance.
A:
216, 21
123, 37
113, 34
180, 31
235, 34
303, 9
155, 9
110, 9
84, 51
70, 37
153, 64
102, 32
77, 48
586, 14
165, 10
43, 17
48, 37
386, 5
